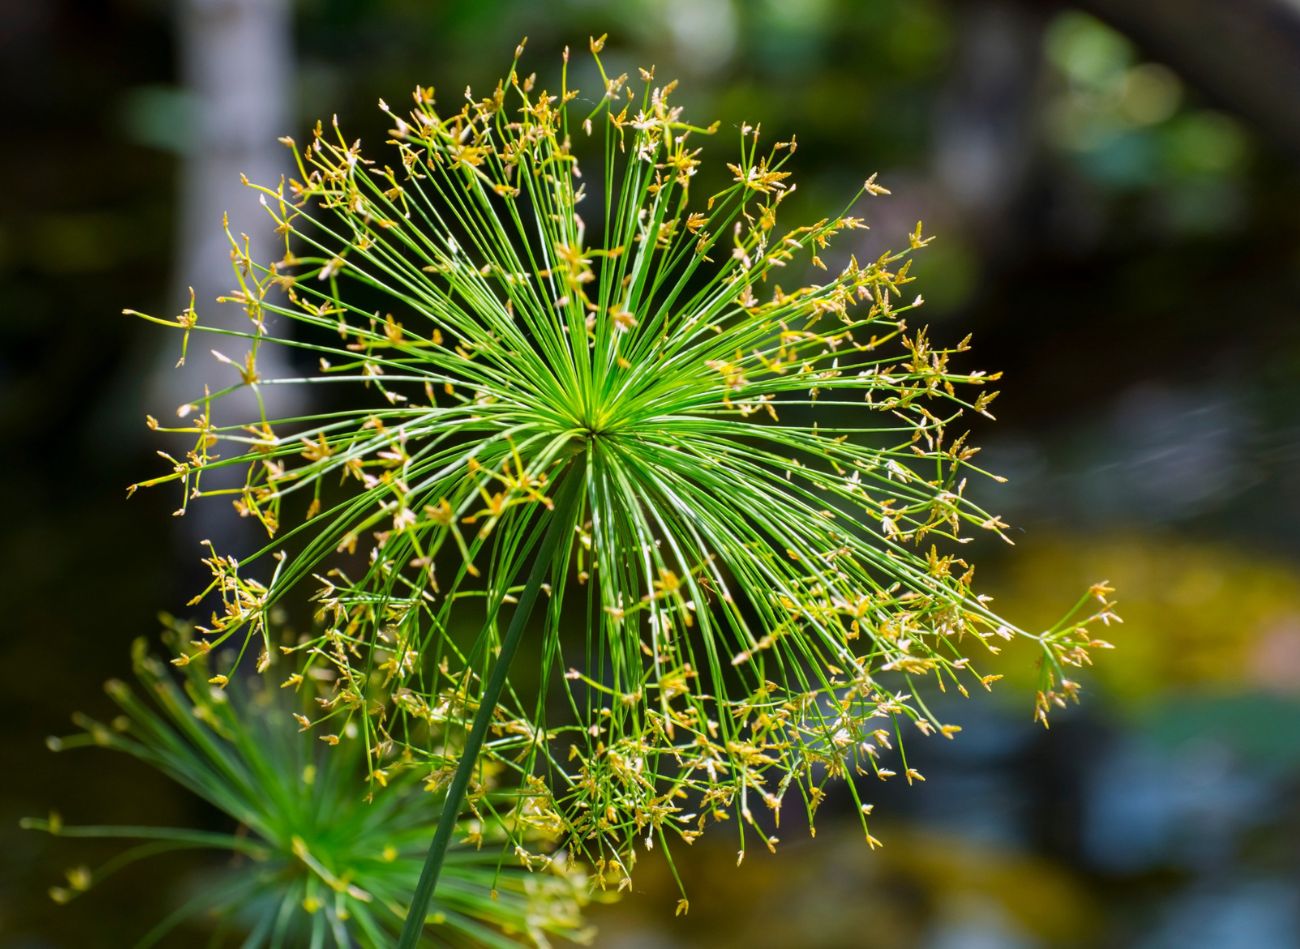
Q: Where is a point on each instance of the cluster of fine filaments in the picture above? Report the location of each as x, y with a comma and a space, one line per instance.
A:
737, 497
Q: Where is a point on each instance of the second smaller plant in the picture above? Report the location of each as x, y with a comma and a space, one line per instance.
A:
314, 860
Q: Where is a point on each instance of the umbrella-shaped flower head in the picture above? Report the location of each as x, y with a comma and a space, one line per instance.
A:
736, 496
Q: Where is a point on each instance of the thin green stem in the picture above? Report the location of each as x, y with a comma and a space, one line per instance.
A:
559, 531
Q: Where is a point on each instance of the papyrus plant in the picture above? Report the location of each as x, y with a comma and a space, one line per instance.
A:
736, 497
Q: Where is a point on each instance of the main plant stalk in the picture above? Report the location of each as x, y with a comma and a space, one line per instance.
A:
561, 522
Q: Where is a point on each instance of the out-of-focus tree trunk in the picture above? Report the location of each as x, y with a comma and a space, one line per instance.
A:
235, 60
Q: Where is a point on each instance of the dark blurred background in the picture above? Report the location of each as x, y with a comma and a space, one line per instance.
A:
1116, 193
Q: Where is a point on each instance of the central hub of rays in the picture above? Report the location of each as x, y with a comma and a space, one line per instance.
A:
596, 416
593, 426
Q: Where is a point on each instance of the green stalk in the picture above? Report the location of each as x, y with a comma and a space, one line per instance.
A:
556, 533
